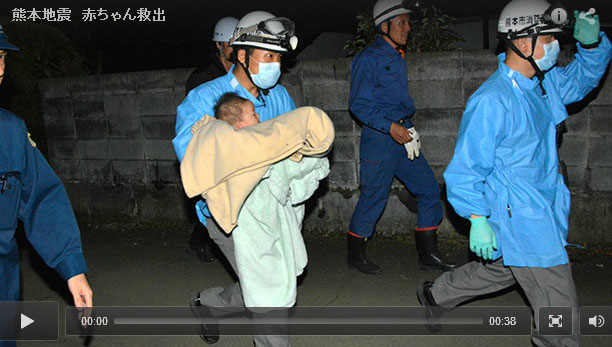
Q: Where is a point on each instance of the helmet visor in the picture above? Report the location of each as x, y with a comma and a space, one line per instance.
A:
277, 31
278, 26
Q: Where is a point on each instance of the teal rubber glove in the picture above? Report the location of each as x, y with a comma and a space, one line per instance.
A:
482, 238
586, 30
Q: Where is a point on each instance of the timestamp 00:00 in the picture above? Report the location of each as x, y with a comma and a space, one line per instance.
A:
91, 321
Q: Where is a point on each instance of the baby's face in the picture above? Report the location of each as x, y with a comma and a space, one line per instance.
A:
249, 116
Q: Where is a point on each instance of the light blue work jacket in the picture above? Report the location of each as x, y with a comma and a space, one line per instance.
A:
505, 164
201, 101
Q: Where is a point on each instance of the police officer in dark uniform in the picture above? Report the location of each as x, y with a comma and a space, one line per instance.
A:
31, 192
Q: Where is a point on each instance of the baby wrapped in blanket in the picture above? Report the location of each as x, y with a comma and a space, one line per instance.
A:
255, 178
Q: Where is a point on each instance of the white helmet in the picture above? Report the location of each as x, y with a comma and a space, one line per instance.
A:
525, 18
385, 9
224, 29
263, 30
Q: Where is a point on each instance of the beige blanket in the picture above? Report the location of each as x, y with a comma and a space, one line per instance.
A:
224, 165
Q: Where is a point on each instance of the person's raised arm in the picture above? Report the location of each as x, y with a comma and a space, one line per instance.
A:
584, 73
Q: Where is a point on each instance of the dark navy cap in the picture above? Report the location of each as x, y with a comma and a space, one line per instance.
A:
4, 43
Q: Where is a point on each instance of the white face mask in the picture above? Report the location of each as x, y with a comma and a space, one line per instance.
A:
268, 75
551, 54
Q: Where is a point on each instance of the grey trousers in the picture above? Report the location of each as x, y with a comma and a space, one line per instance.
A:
544, 287
231, 297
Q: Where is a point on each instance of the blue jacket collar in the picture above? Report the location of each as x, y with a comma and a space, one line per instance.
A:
233, 81
385, 45
230, 78
523, 82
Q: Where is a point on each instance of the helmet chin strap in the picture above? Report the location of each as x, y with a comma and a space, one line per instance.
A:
397, 45
245, 67
538, 73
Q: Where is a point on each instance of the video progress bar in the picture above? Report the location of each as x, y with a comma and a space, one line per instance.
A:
338, 321
298, 321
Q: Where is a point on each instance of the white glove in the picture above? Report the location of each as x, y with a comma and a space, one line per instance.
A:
413, 148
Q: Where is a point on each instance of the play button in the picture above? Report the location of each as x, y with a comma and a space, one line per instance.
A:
25, 321
29, 320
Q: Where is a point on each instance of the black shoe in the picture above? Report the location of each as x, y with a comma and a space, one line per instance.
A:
431, 312
356, 256
434, 262
208, 332
427, 248
197, 244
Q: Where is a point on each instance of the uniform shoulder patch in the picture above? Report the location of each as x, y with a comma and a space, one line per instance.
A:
31, 141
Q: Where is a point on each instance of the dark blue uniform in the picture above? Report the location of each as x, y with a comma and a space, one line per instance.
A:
379, 97
31, 192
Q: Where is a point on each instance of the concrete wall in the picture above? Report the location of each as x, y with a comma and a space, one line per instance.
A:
109, 140
109, 137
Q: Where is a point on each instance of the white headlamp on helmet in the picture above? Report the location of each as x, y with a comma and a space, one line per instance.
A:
275, 34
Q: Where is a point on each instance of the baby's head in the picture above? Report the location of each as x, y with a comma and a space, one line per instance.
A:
236, 110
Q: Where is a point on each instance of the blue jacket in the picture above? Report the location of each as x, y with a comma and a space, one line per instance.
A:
379, 96
201, 101
505, 164
31, 192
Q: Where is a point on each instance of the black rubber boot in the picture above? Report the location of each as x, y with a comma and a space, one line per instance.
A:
197, 243
356, 256
432, 311
427, 247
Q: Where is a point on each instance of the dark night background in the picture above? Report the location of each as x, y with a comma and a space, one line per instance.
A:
184, 39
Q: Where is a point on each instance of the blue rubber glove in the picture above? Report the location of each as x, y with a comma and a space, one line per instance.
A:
482, 238
586, 30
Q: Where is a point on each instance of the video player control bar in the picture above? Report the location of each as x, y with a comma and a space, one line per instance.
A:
304, 321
